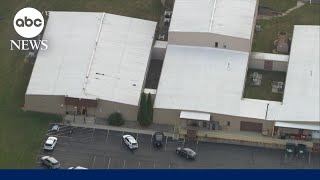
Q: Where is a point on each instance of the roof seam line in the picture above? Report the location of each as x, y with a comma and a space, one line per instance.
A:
92, 56
213, 10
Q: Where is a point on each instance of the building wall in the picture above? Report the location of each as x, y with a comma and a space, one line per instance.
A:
45, 103
105, 108
207, 39
276, 65
159, 50
166, 116
235, 122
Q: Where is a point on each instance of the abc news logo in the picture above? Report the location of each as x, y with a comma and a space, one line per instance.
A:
28, 23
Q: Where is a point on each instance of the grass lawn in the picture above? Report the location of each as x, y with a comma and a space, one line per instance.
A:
264, 92
22, 132
309, 14
278, 5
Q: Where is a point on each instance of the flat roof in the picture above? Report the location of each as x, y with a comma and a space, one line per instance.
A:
93, 55
301, 95
202, 79
269, 57
195, 115
226, 17
298, 126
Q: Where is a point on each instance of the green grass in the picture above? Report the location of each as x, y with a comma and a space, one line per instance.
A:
22, 132
309, 14
278, 5
264, 92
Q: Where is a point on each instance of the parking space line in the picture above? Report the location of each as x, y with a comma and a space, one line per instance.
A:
151, 138
169, 166
184, 140
139, 164
197, 145
165, 146
124, 164
94, 161
121, 137
107, 136
154, 165
109, 162
137, 136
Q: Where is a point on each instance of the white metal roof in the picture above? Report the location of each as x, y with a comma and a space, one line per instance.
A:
202, 79
195, 115
226, 17
269, 56
298, 126
301, 95
115, 65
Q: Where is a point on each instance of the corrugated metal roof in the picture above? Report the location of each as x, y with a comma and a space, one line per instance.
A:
226, 17
116, 64
301, 95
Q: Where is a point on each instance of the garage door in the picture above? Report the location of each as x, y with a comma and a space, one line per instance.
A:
250, 126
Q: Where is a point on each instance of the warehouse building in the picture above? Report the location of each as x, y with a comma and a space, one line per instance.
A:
225, 24
96, 64
202, 87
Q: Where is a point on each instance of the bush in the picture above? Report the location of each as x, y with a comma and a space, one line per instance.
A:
145, 110
115, 119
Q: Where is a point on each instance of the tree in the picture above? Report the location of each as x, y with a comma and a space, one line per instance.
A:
141, 108
143, 114
115, 119
150, 108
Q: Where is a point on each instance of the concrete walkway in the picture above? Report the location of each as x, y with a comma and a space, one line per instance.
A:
245, 138
299, 4
115, 128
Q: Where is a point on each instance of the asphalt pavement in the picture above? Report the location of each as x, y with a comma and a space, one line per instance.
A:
104, 149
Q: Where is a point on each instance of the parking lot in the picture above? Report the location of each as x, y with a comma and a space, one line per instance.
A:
104, 149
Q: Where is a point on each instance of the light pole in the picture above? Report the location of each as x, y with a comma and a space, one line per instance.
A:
61, 107
75, 111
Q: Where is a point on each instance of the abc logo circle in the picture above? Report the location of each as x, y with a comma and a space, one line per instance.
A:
28, 22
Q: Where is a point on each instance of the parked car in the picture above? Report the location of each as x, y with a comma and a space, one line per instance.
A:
157, 139
130, 141
51, 162
78, 167
301, 150
55, 128
50, 143
186, 152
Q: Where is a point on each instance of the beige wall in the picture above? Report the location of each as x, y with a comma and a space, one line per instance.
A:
52, 104
235, 122
208, 40
105, 108
166, 116
43, 103
259, 64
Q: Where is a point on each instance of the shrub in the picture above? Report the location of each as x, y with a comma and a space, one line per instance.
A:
115, 119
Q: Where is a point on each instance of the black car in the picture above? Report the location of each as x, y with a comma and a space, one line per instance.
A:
157, 139
186, 152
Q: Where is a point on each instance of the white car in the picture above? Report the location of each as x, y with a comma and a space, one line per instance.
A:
78, 167
50, 143
55, 128
130, 141
51, 162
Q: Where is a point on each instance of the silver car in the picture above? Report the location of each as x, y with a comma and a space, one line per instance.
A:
51, 162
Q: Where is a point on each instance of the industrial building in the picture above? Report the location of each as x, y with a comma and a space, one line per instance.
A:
225, 24
201, 88
95, 65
